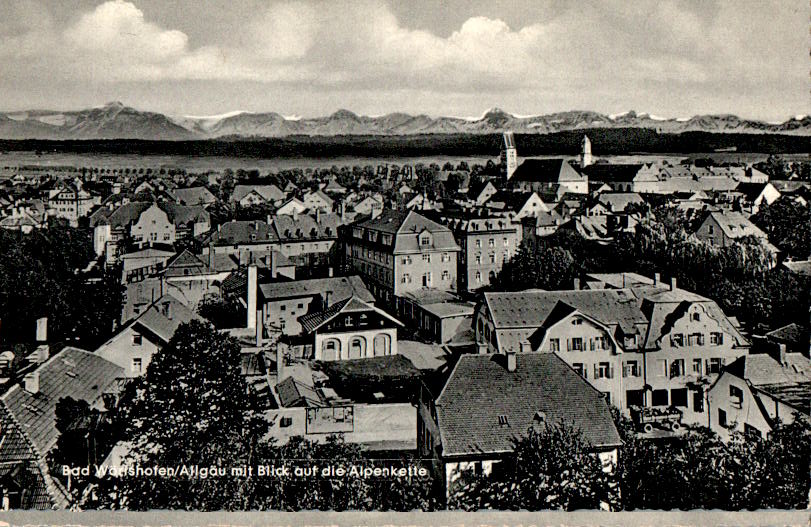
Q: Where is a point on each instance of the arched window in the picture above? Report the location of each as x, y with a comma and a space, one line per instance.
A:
331, 349
382, 345
357, 347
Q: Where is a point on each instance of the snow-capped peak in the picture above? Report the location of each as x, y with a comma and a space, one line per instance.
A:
216, 117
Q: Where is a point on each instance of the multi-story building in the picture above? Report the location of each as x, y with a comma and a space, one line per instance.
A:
486, 244
758, 391
472, 423
645, 344
71, 201
401, 251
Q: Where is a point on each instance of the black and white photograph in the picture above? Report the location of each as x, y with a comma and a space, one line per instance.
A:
424, 262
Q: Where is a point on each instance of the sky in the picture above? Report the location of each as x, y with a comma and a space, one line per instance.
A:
670, 58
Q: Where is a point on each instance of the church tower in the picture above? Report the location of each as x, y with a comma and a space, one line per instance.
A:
585, 154
509, 156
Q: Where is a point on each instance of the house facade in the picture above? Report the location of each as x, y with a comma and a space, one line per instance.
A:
401, 251
641, 345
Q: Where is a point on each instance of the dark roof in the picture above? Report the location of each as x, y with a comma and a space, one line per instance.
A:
377, 368
792, 333
313, 321
545, 170
305, 226
293, 393
243, 232
340, 288
193, 196
164, 316
70, 373
481, 392
606, 172
751, 190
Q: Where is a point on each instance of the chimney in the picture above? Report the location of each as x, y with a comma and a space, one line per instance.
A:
511, 360
576, 284
326, 299
211, 256
167, 310
657, 278
252, 287
673, 284
42, 329
258, 329
279, 363
329, 272
31, 382
778, 353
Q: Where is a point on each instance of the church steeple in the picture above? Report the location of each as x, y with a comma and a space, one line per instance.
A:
585, 153
509, 156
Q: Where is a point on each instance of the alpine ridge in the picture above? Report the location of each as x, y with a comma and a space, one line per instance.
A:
118, 121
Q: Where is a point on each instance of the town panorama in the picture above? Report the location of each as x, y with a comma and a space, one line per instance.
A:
567, 311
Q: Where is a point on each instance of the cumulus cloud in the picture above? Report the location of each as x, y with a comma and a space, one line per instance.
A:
595, 46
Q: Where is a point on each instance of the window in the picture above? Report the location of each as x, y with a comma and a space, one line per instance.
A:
698, 402
506, 242
697, 366
711, 229
603, 370
631, 369
576, 344
492, 258
282, 307
405, 279
137, 339
635, 397
695, 317
695, 339
751, 431
446, 257
426, 279
554, 345
735, 396
446, 275
661, 368
478, 276
714, 366
426, 258
577, 321
137, 365
677, 368
722, 418
425, 240
580, 369
478, 244
491, 242
678, 397
406, 260
478, 259
677, 340
716, 339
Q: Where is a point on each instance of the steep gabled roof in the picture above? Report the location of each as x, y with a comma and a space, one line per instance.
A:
481, 394
340, 288
614, 173
164, 316
313, 321
546, 170
736, 225
70, 373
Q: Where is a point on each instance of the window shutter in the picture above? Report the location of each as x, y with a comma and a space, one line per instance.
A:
611, 372
596, 371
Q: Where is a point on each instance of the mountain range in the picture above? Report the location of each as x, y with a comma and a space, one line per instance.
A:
117, 121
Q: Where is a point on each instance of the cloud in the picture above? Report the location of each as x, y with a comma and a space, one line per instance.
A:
592, 47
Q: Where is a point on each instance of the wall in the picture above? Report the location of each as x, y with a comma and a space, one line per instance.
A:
120, 350
344, 340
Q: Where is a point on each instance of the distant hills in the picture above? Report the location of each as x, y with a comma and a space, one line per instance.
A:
117, 121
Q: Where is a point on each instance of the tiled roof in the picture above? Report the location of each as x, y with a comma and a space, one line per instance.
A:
188, 264
164, 316
751, 190
70, 373
193, 196
789, 382
243, 232
406, 226
340, 288
267, 192
736, 225
480, 394
305, 226
618, 201
794, 333
799, 267
312, 321
546, 170
294, 393
605, 172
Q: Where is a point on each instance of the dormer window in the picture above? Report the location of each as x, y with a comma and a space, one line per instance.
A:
696, 317
425, 239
